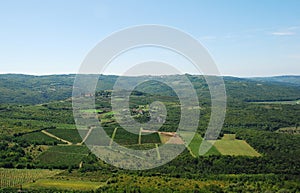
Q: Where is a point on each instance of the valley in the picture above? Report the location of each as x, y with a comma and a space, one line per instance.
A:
42, 149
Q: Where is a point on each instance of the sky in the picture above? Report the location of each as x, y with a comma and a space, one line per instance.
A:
245, 38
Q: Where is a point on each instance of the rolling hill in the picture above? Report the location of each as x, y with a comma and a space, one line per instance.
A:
27, 89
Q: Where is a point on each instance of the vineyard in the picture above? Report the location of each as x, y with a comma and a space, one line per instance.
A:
16, 177
38, 138
71, 135
63, 156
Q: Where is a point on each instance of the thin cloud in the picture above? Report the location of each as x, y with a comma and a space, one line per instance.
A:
294, 28
287, 31
283, 33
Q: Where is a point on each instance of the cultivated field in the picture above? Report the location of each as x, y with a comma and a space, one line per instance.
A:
64, 184
60, 156
16, 177
71, 135
228, 145
39, 138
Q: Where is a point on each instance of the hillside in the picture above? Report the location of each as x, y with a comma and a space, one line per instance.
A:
291, 80
26, 89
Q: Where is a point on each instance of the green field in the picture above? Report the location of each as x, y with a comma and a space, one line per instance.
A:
150, 138
92, 111
194, 145
229, 146
15, 177
63, 156
71, 135
64, 184
124, 137
107, 117
38, 138
229, 137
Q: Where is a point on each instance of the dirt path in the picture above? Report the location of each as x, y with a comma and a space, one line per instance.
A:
157, 151
86, 136
140, 136
171, 138
113, 136
55, 137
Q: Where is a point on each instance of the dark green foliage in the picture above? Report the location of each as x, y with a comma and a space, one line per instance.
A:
71, 135
61, 157
13, 155
262, 116
27, 89
151, 138
37, 138
285, 80
124, 137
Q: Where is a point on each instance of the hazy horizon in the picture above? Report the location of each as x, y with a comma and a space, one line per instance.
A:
266, 76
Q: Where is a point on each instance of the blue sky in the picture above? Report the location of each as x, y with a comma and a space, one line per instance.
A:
245, 38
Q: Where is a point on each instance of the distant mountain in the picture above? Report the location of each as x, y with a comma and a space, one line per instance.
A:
27, 89
295, 80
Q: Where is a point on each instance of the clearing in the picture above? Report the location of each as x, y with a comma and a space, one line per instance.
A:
228, 145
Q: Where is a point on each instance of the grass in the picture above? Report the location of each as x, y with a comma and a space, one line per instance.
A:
195, 144
228, 137
71, 135
16, 177
92, 111
229, 146
64, 184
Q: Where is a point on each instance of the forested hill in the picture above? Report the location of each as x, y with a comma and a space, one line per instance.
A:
27, 89
294, 80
